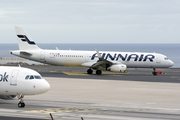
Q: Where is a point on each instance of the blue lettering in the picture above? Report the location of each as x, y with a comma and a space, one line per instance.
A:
4, 78
1, 77
94, 55
141, 57
109, 55
103, 55
150, 57
123, 58
133, 56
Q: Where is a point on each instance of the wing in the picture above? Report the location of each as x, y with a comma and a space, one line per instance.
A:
101, 63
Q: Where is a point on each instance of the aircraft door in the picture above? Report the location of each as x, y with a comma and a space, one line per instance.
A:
87, 57
14, 78
158, 60
42, 56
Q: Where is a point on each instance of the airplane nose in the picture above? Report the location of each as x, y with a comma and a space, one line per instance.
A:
171, 63
45, 86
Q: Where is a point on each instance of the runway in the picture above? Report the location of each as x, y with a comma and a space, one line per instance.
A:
137, 95
144, 75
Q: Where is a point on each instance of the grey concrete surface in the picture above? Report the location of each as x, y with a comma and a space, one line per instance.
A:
124, 97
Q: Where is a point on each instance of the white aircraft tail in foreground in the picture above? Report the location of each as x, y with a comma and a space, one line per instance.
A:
94, 60
15, 82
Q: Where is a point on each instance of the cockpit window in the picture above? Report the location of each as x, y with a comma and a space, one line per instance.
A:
165, 58
31, 77
27, 77
37, 77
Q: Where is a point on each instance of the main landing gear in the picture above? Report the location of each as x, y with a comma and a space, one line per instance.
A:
21, 104
90, 71
98, 72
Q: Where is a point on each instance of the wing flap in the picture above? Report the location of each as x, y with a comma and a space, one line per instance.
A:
88, 64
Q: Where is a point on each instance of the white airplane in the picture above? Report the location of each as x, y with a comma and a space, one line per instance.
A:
103, 60
15, 82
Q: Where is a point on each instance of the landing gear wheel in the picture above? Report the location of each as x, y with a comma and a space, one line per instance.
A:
21, 104
89, 71
154, 72
98, 72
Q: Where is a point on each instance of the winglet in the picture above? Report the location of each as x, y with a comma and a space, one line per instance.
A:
99, 55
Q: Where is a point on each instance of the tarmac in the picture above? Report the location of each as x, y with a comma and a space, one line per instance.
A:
136, 95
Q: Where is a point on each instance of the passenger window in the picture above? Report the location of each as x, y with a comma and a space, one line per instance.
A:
27, 77
31, 77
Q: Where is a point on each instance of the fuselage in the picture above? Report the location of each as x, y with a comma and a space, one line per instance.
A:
15, 81
88, 58
94, 60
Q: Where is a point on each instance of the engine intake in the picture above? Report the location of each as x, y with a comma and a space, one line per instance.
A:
8, 97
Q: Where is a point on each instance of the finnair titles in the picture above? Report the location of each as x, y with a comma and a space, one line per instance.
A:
93, 60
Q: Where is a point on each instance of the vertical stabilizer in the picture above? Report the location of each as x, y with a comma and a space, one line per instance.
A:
24, 40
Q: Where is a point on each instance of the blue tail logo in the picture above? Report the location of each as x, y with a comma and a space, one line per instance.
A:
24, 39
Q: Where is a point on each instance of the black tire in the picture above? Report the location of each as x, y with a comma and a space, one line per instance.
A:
98, 72
89, 71
154, 73
21, 104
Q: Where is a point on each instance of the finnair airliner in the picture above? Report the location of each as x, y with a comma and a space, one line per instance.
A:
94, 60
15, 82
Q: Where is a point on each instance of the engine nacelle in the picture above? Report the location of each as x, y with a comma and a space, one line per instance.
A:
8, 97
118, 68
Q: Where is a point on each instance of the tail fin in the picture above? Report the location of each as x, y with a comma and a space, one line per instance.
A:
24, 40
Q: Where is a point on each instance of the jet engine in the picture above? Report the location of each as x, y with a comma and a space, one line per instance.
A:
118, 68
8, 97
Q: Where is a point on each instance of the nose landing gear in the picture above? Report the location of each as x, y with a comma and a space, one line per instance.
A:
154, 72
21, 104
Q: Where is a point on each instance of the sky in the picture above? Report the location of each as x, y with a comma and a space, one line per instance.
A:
92, 21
